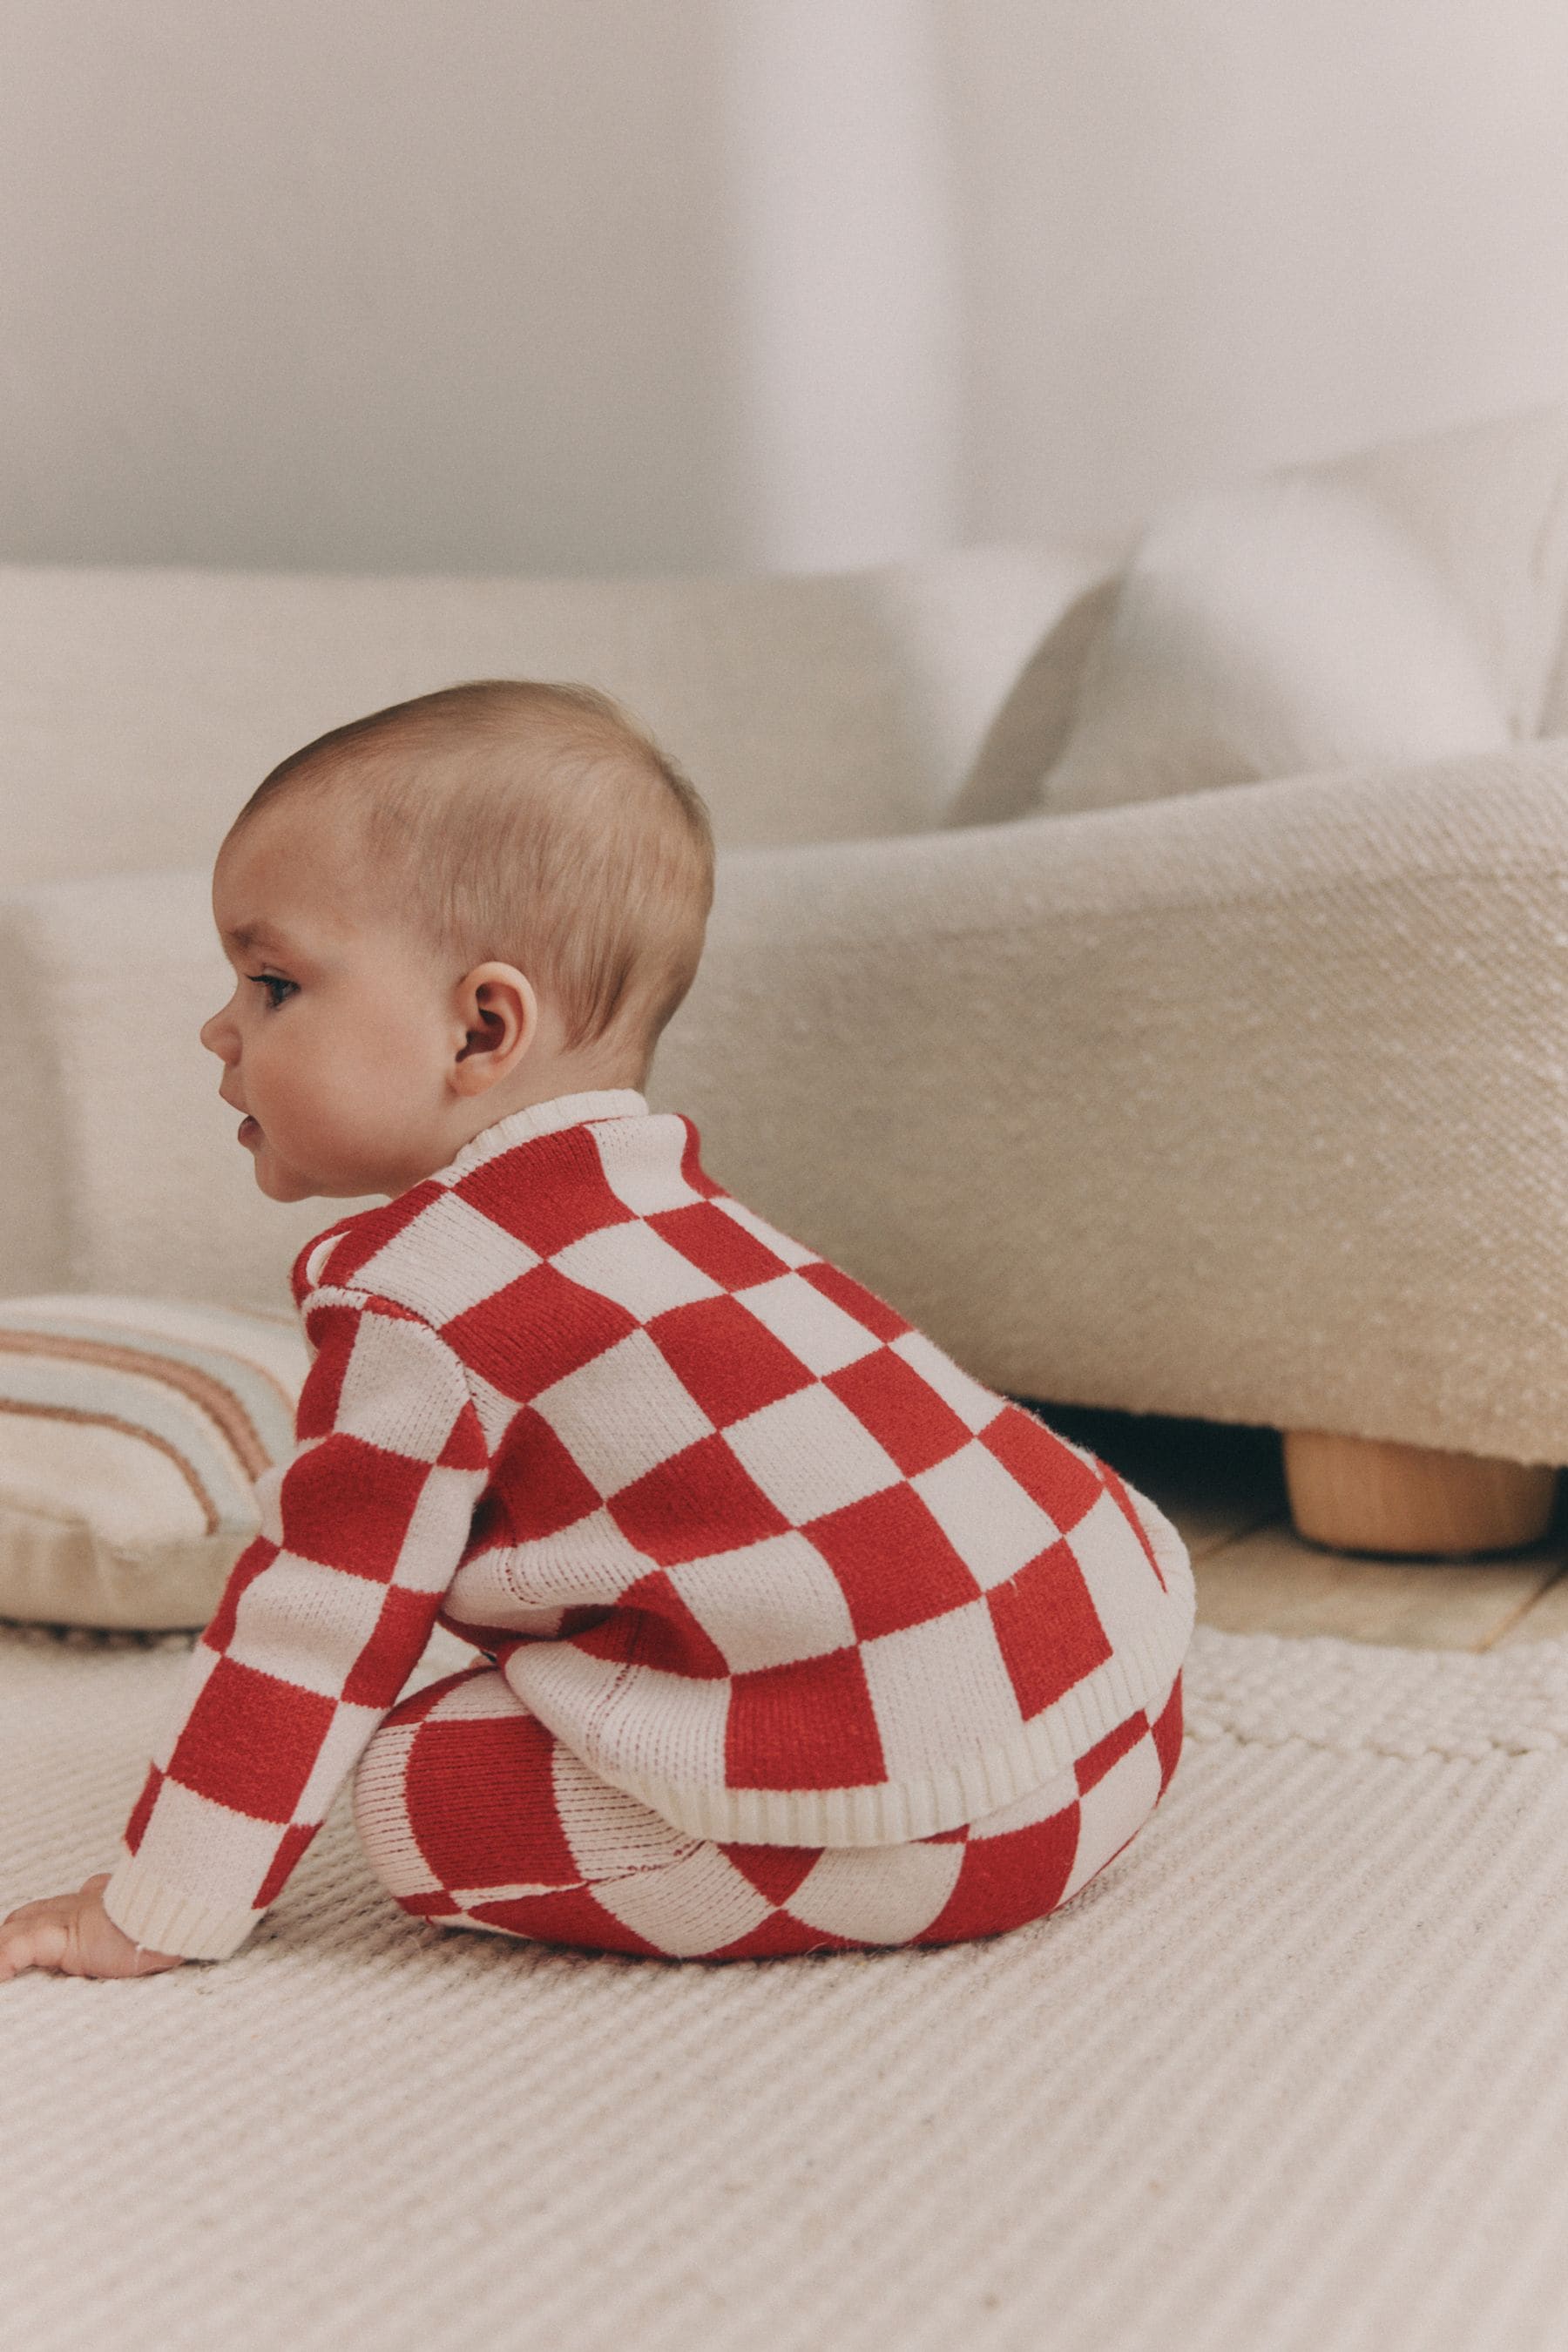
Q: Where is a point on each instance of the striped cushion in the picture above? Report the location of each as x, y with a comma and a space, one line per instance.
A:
131, 1431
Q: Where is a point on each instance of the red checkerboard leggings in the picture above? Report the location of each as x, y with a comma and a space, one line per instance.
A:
474, 1815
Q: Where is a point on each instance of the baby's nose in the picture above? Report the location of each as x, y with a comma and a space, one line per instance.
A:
214, 1035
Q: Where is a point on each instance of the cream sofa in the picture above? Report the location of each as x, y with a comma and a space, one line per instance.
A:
1249, 1104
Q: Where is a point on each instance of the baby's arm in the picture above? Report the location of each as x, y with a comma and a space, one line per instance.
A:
325, 1615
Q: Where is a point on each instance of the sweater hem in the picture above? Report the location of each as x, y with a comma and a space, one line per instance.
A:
162, 1918
944, 1797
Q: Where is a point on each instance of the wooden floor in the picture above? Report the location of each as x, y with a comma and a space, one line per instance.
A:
1224, 1488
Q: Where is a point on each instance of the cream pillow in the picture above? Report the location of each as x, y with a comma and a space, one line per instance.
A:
1271, 630
131, 1432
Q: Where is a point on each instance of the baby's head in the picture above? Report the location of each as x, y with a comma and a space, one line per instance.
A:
464, 904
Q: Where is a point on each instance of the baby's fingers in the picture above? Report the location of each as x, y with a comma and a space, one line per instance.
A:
74, 1935
33, 1938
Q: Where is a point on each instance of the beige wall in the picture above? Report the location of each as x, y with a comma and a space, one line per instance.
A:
417, 283
635, 284
1200, 235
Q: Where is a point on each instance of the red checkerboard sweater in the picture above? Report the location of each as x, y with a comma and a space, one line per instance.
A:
757, 1551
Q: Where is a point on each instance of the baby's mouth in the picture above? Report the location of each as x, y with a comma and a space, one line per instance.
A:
249, 1130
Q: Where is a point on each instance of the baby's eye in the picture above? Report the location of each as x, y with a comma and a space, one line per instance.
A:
271, 980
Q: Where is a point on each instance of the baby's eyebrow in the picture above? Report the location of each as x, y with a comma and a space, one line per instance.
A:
255, 935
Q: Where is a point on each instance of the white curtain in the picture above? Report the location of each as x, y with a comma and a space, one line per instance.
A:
844, 296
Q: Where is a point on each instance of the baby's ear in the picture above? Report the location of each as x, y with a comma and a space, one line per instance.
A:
498, 1018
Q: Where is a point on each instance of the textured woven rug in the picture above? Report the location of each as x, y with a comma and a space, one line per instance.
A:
1291, 2077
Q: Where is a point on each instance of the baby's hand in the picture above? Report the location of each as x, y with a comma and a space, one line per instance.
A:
74, 1934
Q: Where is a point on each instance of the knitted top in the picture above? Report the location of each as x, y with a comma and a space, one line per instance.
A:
755, 1549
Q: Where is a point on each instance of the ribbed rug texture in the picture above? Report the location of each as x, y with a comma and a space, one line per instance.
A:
1291, 2076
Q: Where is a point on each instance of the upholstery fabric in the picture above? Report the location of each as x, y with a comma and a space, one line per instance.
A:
1269, 630
1487, 503
1475, 522
131, 1433
141, 707
1245, 1105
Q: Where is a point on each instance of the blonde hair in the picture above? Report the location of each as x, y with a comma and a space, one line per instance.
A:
534, 825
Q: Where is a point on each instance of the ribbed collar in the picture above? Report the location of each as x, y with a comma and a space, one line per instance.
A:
543, 1119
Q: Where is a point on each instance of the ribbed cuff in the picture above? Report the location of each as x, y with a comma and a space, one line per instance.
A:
162, 1919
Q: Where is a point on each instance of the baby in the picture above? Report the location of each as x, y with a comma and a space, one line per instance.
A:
789, 1635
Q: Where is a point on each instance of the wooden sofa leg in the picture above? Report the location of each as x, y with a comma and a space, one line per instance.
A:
1369, 1494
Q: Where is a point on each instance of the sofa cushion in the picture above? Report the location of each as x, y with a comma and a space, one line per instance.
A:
131, 1433
139, 708
1270, 630
1486, 504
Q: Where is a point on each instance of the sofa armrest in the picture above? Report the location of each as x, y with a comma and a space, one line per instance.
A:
1251, 1105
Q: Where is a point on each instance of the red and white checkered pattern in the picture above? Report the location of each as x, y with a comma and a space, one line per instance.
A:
757, 1552
474, 1815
